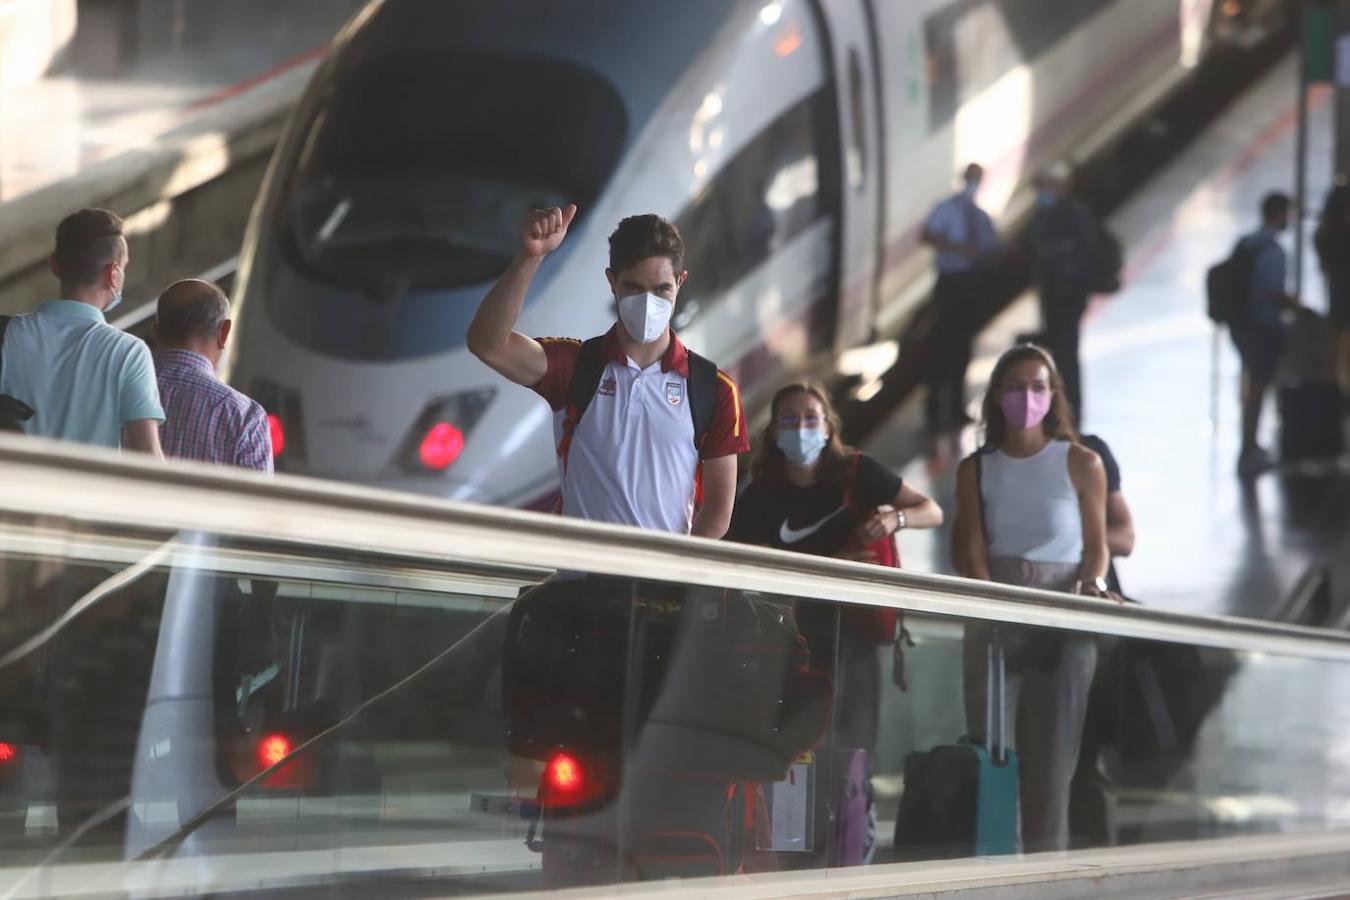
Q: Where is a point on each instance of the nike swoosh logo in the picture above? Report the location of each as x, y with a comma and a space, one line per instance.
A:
791, 535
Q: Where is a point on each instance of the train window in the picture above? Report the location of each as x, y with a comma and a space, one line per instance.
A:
414, 175
770, 192
857, 151
973, 43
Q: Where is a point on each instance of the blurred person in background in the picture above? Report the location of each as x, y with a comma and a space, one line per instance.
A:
1332, 241
963, 236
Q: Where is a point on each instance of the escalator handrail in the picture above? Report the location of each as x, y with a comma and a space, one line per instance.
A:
92, 485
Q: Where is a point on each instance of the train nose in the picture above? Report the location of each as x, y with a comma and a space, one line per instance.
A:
482, 444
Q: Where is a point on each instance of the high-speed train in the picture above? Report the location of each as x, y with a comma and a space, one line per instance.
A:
798, 145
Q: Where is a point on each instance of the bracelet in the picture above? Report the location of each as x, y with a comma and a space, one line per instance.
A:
901, 520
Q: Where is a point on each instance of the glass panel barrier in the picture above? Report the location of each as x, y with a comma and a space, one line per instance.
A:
188, 713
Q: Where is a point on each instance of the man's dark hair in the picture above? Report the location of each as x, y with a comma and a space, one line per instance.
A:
642, 237
86, 242
190, 310
1275, 205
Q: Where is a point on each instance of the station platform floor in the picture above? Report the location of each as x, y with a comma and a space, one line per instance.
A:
1206, 541
54, 128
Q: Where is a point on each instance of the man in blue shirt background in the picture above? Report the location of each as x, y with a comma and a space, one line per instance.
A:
1259, 334
84, 379
965, 242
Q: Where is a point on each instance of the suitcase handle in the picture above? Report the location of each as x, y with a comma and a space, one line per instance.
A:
996, 670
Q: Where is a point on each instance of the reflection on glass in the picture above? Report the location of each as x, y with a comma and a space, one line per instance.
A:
223, 700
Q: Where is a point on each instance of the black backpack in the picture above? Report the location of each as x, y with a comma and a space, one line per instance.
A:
1109, 262
586, 380
1228, 286
13, 411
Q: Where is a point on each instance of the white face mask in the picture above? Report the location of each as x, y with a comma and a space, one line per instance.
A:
645, 316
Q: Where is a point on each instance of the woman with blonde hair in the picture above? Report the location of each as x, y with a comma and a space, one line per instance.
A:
1031, 511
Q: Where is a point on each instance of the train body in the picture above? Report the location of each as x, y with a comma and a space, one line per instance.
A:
798, 145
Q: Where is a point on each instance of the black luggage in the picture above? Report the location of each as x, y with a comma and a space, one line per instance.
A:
962, 799
667, 825
704, 681
1310, 422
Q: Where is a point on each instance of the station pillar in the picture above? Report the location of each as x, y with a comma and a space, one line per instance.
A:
1341, 81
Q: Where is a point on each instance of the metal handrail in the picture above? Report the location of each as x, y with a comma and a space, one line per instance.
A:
93, 485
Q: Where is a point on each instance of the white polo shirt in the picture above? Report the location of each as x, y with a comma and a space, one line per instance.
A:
632, 458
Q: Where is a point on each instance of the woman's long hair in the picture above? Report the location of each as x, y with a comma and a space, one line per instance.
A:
770, 465
1058, 423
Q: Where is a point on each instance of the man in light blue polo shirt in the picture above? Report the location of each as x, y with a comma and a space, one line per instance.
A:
85, 380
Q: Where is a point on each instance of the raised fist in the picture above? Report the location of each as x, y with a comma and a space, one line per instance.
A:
544, 230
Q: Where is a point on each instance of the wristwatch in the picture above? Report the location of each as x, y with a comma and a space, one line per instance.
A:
1097, 587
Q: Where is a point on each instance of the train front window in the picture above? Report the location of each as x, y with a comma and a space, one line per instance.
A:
407, 184
413, 173
413, 231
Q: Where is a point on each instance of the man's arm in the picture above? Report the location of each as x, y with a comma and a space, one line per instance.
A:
142, 435
719, 497
1089, 480
138, 402
492, 336
1119, 525
254, 450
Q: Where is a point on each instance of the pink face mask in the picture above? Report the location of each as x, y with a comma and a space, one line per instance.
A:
1025, 409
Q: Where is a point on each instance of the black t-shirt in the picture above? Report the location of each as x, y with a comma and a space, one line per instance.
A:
1098, 446
810, 519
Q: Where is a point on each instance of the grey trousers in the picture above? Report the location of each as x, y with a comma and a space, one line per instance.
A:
1048, 679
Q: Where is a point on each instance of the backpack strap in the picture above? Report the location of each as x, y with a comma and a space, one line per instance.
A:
702, 395
581, 390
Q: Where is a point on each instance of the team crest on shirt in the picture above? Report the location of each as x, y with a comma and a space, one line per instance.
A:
674, 393
608, 387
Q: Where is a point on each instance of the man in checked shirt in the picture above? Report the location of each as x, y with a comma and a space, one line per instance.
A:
204, 418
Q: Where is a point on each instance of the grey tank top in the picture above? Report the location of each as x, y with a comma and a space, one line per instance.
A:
1030, 506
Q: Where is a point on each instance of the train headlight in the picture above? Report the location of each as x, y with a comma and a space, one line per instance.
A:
438, 435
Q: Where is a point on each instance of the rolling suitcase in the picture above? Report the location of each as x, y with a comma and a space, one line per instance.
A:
962, 799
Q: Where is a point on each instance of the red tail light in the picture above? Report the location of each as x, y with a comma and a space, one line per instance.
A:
569, 782
441, 447
8, 753
278, 433
272, 749
564, 774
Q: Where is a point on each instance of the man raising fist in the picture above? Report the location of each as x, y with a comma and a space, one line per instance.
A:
641, 423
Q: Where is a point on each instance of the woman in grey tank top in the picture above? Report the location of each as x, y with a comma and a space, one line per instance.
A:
1031, 511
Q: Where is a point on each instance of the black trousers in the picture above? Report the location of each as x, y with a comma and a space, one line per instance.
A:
958, 303
1062, 313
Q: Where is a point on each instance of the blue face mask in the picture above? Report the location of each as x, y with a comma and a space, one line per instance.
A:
802, 446
117, 297
1045, 199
